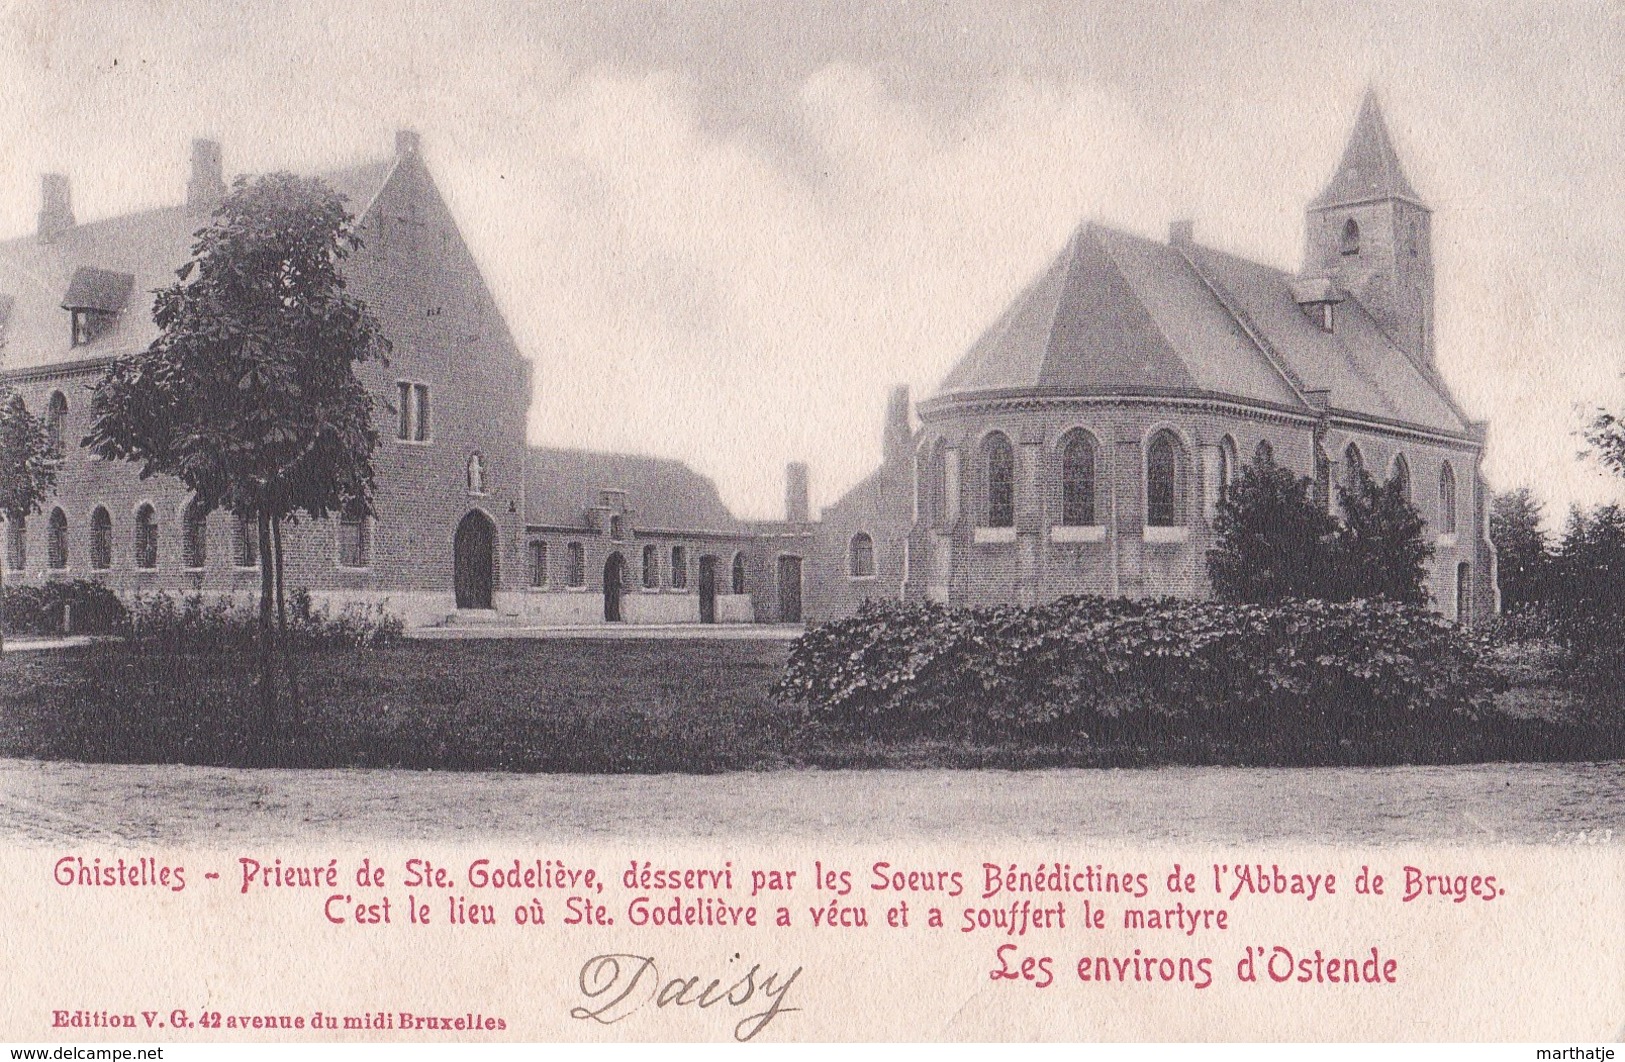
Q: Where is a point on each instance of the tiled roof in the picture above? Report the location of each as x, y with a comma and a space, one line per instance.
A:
146, 247
1356, 362
562, 485
101, 290
1115, 313
1120, 314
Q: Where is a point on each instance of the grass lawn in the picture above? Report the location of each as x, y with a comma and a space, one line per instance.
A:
564, 705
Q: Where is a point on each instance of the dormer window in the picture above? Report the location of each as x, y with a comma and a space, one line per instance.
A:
1318, 297
94, 300
88, 326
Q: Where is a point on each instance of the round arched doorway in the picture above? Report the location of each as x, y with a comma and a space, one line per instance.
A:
614, 586
474, 560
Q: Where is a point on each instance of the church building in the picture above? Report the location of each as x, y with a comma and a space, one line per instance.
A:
1083, 443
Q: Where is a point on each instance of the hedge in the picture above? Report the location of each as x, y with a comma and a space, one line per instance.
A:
1099, 669
187, 621
77, 606
193, 622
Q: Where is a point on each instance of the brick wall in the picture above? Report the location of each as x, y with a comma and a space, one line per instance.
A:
559, 601
420, 280
953, 555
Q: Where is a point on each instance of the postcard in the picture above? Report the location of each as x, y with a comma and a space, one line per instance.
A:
850, 520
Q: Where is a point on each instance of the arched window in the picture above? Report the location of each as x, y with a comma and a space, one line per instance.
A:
860, 556
17, 542
923, 505
1323, 476
651, 567
739, 573
940, 483
245, 538
1401, 476
194, 535
1163, 486
101, 539
577, 556
1353, 467
938, 477
1349, 242
538, 563
679, 568
1447, 499
1226, 470
1078, 480
355, 536
999, 469
56, 419
1263, 454
56, 542
146, 538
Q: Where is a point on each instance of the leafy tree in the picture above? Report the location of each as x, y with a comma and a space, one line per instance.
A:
1523, 554
249, 394
28, 461
1585, 597
1588, 574
1606, 434
1275, 540
1381, 549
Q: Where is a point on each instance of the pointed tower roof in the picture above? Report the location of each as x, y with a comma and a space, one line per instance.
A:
1370, 168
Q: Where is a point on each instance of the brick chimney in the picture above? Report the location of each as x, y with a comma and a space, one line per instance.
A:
407, 143
899, 438
207, 185
56, 207
795, 493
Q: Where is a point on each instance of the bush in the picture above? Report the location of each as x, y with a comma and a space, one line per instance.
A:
193, 622
79, 606
1143, 671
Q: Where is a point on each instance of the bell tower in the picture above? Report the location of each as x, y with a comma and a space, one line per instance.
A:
1372, 235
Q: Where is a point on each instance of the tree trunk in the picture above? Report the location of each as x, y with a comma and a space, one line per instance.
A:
281, 601
267, 673
288, 663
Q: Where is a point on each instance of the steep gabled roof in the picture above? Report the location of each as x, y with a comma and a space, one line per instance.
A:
664, 494
1119, 314
96, 262
1362, 370
1112, 314
1370, 168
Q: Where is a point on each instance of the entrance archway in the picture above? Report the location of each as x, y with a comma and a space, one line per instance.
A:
789, 589
474, 560
614, 586
708, 589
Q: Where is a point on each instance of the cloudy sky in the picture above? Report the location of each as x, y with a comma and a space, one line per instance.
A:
724, 230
